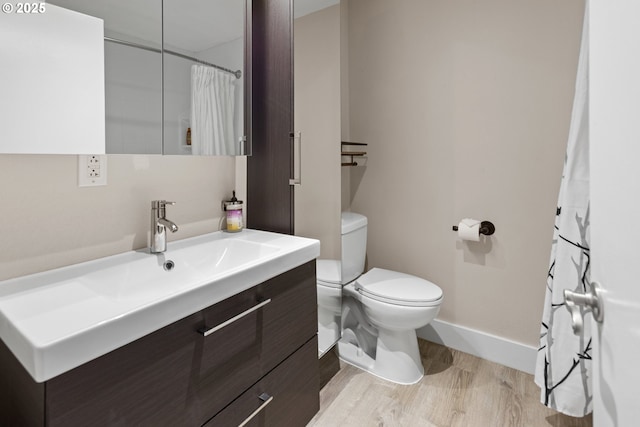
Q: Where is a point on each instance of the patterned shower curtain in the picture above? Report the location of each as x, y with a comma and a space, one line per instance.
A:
563, 369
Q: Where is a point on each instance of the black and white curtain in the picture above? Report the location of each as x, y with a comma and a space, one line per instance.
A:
563, 369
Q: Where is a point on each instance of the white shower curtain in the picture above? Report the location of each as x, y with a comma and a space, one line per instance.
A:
563, 369
212, 108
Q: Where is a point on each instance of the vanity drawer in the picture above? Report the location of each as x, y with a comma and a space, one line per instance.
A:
255, 343
287, 396
177, 376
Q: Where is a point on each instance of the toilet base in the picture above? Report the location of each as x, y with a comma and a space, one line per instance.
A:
397, 358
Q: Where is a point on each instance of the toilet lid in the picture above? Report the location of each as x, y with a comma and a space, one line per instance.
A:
329, 273
398, 288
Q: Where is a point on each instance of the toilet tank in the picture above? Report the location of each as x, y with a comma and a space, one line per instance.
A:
354, 245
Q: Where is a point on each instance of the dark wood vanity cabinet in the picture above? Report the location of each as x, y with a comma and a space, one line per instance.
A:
178, 377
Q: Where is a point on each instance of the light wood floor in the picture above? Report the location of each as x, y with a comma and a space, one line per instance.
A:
457, 390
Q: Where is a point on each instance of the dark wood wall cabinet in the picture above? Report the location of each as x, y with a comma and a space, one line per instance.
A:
270, 166
263, 365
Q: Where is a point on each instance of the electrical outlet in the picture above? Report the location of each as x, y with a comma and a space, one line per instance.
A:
92, 170
93, 160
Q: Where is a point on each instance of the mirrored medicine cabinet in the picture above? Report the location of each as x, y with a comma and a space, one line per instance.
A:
174, 80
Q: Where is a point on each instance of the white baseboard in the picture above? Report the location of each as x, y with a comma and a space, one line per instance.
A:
486, 346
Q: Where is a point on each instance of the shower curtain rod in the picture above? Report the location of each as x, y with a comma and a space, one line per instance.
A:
237, 73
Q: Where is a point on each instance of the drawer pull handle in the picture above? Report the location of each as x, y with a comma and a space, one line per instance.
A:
266, 399
206, 332
297, 136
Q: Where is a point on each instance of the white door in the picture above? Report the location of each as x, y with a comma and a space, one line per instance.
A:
615, 206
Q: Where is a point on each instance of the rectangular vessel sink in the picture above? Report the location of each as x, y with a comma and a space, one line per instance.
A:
59, 319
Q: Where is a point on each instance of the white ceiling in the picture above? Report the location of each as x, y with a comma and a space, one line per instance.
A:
190, 25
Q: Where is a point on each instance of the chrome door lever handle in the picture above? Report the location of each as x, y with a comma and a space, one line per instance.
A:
591, 301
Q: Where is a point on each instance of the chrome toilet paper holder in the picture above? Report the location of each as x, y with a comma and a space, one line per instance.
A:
486, 227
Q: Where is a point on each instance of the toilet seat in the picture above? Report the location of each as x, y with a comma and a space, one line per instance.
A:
397, 288
329, 273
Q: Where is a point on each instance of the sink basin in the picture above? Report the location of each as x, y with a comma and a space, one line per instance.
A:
175, 270
57, 320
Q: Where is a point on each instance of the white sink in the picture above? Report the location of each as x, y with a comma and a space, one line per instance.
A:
57, 320
177, 269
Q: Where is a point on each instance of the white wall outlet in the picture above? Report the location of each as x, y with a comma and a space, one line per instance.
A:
92, 170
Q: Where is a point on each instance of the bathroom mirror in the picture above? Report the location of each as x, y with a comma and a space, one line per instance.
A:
140, 115
317, 115
203, 59
133, 72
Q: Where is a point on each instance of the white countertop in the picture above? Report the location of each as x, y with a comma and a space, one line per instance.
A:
59, 319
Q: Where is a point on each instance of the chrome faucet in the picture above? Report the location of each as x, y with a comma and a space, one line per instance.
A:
159, 226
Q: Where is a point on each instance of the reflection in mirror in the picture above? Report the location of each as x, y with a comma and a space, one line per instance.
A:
133, 71
203, 77
317, 114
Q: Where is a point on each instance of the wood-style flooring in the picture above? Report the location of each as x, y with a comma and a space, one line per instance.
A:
457, 390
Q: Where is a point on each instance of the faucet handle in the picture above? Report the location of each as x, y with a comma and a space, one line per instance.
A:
160, 204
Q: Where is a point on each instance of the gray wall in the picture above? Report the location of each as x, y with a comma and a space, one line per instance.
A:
47, 221
317, 116
465, 106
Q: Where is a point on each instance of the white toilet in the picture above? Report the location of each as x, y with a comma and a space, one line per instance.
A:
381, 309
333, 275
329, 287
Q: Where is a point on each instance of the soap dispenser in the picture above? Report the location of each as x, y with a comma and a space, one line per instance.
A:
233, 208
